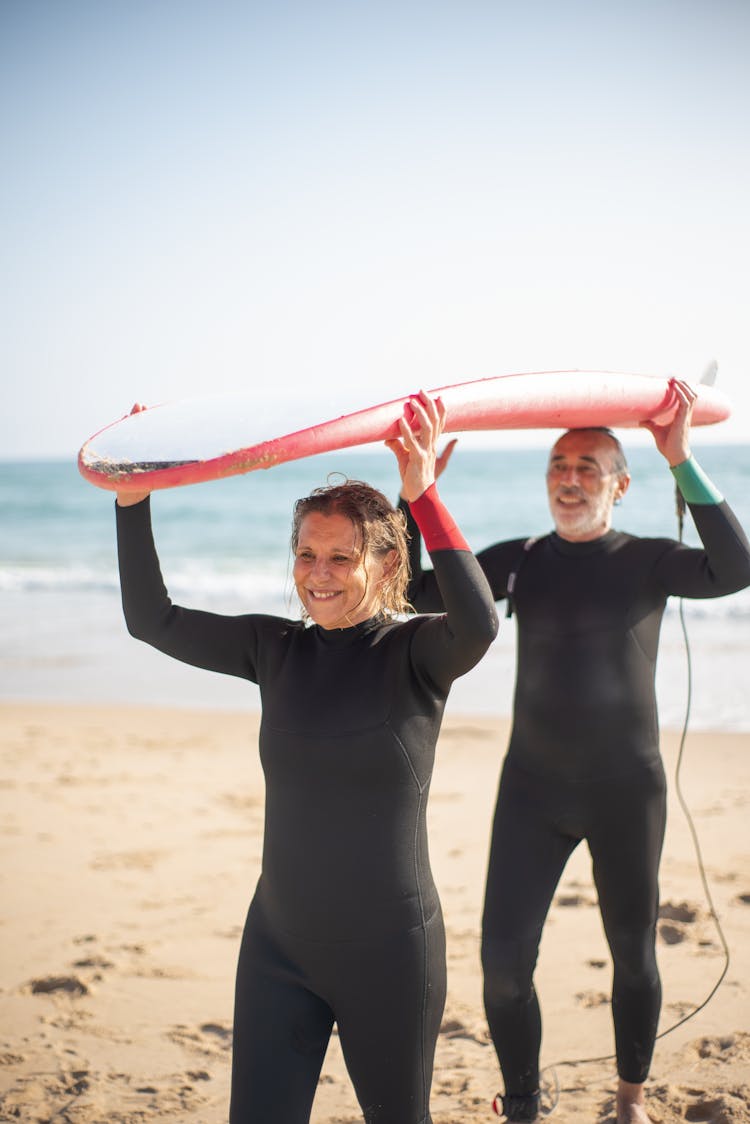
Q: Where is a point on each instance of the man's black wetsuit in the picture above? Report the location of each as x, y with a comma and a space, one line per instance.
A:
584, 762
345, 924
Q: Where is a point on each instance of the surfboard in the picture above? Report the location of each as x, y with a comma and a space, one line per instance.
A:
200, 439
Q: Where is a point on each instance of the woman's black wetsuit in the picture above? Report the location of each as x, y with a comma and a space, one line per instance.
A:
345, 924
584, 762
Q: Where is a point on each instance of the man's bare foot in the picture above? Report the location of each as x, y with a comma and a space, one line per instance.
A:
633, 1114
631, 1104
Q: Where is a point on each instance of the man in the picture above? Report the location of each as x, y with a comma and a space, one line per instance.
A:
583, 760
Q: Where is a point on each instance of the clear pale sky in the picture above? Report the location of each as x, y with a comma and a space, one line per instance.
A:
335, 203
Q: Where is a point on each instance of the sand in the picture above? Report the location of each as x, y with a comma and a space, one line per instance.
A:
131, 842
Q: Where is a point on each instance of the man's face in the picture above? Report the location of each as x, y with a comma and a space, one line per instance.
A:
582, 485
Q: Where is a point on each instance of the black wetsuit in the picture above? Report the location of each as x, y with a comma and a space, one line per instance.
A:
584, 762
345, 924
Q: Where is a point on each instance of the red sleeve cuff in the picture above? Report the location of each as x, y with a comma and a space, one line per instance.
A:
435, 522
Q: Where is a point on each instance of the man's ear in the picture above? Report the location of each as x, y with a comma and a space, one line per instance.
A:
623, 483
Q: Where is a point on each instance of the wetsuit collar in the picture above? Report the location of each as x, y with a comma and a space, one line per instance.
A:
583, 549
340, 637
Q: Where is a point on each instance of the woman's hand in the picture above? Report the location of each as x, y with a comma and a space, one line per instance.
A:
128, 499
416, 449
673, 439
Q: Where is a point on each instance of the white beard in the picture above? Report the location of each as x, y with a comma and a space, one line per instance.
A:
590, 518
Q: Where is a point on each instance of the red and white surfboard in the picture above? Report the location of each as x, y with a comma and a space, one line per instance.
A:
194, 440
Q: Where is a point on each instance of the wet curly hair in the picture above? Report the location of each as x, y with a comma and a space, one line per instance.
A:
381, 528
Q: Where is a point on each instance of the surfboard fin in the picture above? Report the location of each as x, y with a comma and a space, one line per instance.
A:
708, 378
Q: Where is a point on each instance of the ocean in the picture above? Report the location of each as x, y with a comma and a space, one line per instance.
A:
224, 547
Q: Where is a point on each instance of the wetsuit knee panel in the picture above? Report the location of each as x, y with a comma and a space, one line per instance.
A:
508, 968
634, 954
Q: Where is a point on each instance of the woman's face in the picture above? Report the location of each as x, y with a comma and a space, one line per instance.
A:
337, 586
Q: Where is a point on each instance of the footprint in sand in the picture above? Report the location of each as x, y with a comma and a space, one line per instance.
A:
198, 1075
7, 1057
76, 1081
672, 934
668, 911
718, 1101
209, 1039
97, 964
568, 901
671, 1103
452, 1086
48, 985
126, 860
592, 998
44, 1097
454, 1028
734, 1048
724, 1108
675, 919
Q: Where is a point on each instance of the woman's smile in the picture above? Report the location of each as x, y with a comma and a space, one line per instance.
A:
337, 585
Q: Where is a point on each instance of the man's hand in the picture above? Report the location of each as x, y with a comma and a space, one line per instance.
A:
673, 439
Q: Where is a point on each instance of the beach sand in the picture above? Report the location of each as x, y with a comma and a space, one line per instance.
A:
131, 842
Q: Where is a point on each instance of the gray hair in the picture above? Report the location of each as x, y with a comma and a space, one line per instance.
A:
619, 460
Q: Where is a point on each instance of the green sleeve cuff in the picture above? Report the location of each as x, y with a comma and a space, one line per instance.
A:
694, 484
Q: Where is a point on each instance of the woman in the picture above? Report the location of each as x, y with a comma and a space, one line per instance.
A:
345, 924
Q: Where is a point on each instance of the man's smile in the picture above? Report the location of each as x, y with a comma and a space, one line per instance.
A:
571, 497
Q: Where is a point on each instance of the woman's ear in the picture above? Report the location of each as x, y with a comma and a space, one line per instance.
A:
390, 561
